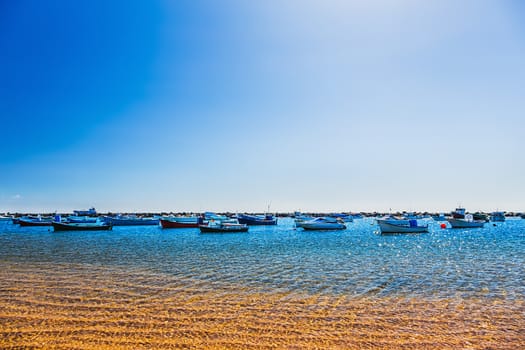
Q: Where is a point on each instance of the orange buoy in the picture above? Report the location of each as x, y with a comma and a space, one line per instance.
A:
443, 225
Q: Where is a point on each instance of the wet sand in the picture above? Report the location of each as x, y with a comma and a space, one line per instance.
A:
89, 307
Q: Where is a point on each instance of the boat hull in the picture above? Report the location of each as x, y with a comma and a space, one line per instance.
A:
131, 222
81, 219
459, 223
174, 224
322, 226
386, 227
255, 221
58, 226
223, 229
23, 222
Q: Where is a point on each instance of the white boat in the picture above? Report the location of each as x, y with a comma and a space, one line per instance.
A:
5, 218
299, 219
344, 217
222, 227
323, 223
401, 226
465, 223
394, 220
460, 219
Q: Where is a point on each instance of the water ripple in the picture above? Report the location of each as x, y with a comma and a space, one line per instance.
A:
484, 262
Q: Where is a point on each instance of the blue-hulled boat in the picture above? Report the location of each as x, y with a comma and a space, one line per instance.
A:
210, 216
81, 226
342, 216
222, 227
89, 212
79, 219
130, 220
38, 221
253, 220
497, 216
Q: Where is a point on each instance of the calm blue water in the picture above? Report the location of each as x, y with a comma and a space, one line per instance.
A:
486, 262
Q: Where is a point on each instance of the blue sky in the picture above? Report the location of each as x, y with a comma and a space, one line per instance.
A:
231, 105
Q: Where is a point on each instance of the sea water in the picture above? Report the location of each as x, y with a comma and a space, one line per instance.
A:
444, 263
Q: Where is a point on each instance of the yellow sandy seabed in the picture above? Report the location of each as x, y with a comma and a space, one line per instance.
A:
81, 307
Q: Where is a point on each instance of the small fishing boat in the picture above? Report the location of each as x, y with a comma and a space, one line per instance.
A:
323, 223
461, 220
480, 217
394, 220
222, 227
181, 221
209, 216
89, 212
299, 219
5, 218
401, 226
256, 219
440, 217
38, 221
497, 216
80, 219
465, 223
342, 216
86, 226
130, 220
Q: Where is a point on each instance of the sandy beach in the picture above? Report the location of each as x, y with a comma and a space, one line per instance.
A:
54, 307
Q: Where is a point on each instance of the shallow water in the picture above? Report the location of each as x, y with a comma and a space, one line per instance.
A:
274, 287
474, 263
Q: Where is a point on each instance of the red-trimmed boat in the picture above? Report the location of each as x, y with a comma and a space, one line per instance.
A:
181, 221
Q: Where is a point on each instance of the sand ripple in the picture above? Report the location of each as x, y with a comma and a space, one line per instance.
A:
89, 307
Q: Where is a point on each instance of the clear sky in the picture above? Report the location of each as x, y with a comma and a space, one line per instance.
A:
233, 105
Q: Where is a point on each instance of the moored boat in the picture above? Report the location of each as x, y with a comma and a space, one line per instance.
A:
130, 220
401, 226
256, 219
323, 223
393, 220
181, 221
440, 217
464, 223
480, 217
38, 221
497, 216
460, 219
342, 216
80, 219
89, 212
5, 218
210, 216
223, 227
85, 226
299, 219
